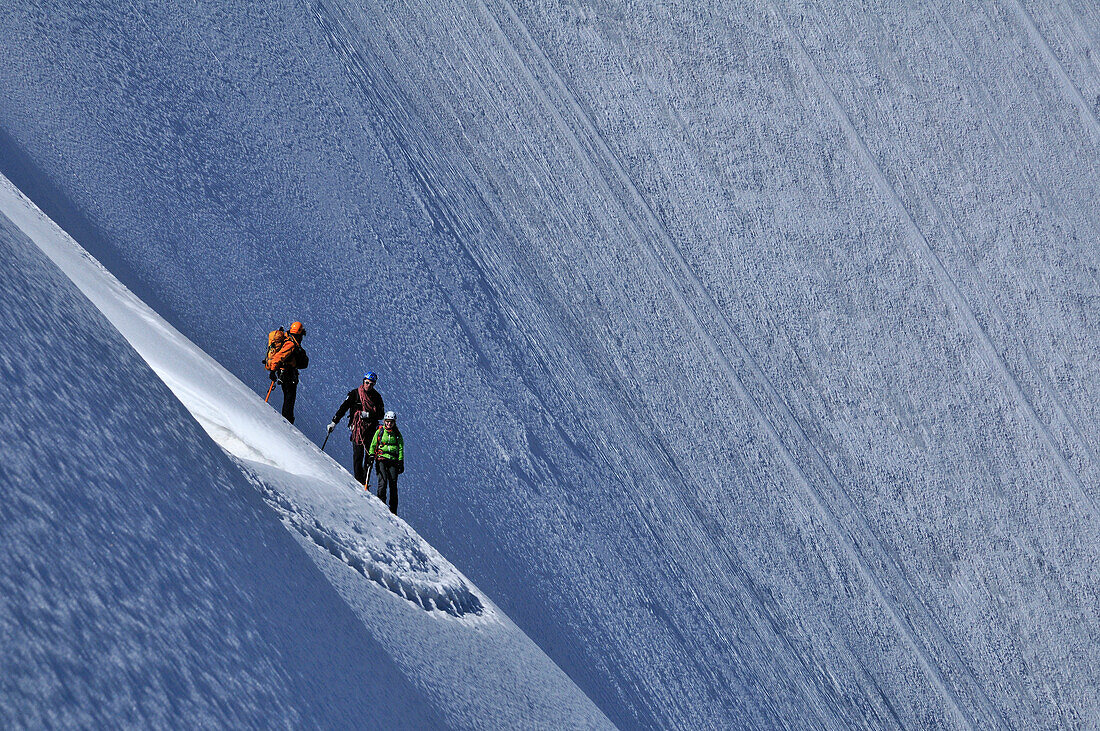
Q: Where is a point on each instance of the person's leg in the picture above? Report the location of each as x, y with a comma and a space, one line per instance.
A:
359, 462
383, 479
387, 475
290, 391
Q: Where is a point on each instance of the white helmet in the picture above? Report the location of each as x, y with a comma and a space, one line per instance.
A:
390, 416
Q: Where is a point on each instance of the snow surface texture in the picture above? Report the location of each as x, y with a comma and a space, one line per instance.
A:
143, 581
493, 675
383, 549
745, 351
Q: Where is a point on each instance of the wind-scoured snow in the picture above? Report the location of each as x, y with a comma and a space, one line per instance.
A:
144, 583
486, 675
745, 352
313, 494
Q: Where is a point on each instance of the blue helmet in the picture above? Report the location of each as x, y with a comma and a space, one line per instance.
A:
370, 376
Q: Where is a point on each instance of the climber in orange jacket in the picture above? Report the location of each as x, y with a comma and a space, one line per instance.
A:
285, 364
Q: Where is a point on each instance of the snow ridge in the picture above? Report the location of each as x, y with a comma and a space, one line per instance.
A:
401, 566
312, 494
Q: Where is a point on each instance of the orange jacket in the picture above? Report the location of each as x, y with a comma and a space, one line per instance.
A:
291, 355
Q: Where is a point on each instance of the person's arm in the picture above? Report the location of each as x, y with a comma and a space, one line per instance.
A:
344, 406
401, 449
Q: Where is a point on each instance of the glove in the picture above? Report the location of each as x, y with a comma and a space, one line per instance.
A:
400, 466
331, 426
274, 376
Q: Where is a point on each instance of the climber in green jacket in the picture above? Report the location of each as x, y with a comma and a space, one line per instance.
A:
388, 448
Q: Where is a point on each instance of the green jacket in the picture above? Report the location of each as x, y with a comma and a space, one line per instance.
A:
388, 445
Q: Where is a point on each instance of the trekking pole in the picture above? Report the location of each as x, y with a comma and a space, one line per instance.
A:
269, 391
326, 441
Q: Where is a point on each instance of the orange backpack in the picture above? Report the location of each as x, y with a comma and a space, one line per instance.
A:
275, 340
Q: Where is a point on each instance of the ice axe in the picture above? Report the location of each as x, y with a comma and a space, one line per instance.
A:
274, 379
370, 468
326, 441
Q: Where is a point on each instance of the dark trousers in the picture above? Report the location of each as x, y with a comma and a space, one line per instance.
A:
360, 462
387, 481
290, 392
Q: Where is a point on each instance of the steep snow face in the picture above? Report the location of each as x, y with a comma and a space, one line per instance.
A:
470, 666
743, 350
144, 582
261, 441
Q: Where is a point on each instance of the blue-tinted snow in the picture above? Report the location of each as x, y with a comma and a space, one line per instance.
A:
144, 582
471, 665
745, 351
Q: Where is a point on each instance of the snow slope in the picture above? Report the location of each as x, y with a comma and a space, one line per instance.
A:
144, 582
147, 606
745, 351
